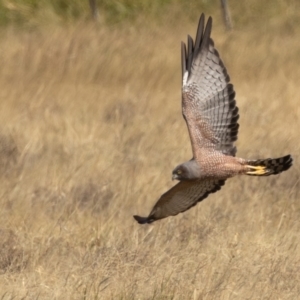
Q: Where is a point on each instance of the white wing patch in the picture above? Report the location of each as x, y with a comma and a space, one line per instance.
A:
185, 78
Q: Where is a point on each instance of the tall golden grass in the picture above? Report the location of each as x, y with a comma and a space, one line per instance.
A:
91, 128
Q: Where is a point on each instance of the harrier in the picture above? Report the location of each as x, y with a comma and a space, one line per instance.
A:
210, 111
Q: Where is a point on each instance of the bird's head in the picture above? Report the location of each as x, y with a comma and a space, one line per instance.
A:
189, 170
179, 173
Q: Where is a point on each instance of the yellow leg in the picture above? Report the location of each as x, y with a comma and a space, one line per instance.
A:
257, 170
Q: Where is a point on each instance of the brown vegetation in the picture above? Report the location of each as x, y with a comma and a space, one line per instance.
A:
91, 129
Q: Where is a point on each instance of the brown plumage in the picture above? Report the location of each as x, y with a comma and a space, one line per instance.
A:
210, 111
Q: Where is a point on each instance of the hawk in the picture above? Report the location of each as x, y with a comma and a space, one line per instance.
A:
210, 111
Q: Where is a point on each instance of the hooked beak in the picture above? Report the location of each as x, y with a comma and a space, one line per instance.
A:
174, 176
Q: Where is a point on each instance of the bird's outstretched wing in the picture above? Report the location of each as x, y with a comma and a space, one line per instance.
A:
180, 198
208, 104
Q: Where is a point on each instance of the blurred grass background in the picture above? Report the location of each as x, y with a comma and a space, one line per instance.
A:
91, 128
37, 12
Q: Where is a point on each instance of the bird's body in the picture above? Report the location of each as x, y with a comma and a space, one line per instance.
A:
212, 166
210, 111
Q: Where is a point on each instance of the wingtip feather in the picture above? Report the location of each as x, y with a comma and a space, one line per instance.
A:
190, 50
141, 220
206, 35
200, 29
183, 58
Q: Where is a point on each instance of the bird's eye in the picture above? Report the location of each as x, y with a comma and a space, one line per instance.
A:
179, 172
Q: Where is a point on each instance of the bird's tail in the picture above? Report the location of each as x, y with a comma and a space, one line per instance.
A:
269, 166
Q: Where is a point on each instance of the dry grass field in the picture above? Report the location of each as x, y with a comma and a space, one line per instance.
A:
91, 129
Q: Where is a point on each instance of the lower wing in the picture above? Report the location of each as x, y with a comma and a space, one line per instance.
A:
180, 198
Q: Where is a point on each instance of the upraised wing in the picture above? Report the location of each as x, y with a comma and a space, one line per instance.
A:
208, 104
180, 198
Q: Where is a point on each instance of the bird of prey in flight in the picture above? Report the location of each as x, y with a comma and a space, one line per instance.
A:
210, 111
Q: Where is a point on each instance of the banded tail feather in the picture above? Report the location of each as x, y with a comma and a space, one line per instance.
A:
269, 166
